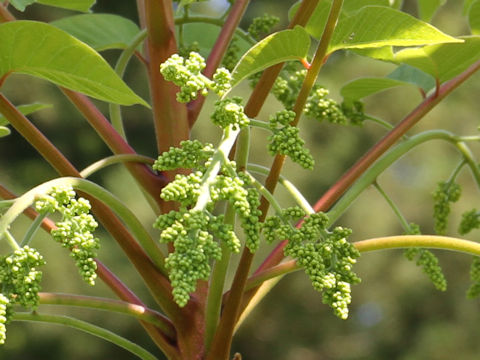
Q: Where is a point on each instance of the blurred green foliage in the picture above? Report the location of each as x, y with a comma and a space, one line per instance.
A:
396, 313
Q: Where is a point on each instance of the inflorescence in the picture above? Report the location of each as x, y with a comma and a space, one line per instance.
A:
327, 257
193, 231
446, 193
75, 230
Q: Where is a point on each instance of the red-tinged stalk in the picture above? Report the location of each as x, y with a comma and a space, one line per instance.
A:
156, 282
218, 50
149, 181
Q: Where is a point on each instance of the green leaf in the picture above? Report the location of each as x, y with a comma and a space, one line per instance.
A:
384, 53
100, 31
26, 110
4, 131
474, 18
443, 61
360, 88
45, 51
414, 76
377, 26
20, 5
318, 19
466, 6
78, 5
279, 47
427, 8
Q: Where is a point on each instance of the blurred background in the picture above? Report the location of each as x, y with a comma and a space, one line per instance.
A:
396, 312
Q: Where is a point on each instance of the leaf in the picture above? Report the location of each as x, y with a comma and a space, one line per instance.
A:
377, 26
100, 31
384, 53
466, 6
26, 110
443, 61
44, 51
279, 47
78, 5
20, 5
474, 18
360, 88
414, 76
318, 19
4, 131
427, 8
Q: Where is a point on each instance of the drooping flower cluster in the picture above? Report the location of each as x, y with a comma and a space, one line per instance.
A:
474, 289
285, 139
230, 112
470, 221
19, 282
446, 193
427, 261
322, 108
327, 257
193, 231
186, 73
75, 230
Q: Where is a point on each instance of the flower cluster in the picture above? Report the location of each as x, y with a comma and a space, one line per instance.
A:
19, 281
474, 289
230, 112
285, 139
321, 108
427, 260
446, 193
186, 73
262, 25
194, 231
75, 231
287, 86
327, 257
470, 221
231, 56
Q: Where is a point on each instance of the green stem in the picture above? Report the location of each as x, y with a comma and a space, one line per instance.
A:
140, 312
217, 283
218, 158
374, 244
121, 65
11, 240
371, 174
143, 237
393, 206
32, 230
260, 124
288, 185
114, 159
88, 328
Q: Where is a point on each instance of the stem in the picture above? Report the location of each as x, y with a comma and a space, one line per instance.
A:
121, 65
88, 328
32, 230
11, 240
122, 307
223, 337
380, 166
218, 158
289, 186
114, 159
393, 206
337, 190
97, 192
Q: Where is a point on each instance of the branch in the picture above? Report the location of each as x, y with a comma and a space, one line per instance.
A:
88, 328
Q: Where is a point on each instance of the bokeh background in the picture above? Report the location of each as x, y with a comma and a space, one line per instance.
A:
396, 312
